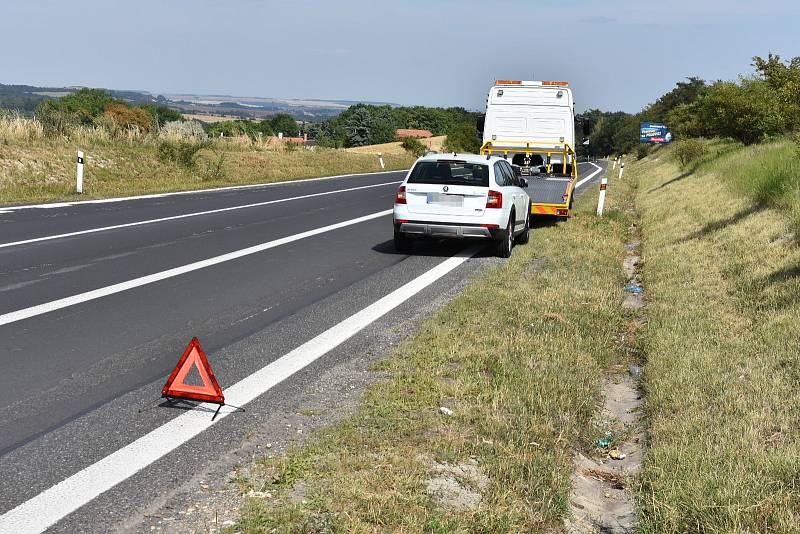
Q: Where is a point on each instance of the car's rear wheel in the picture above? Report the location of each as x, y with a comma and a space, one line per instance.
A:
507, 243
402, 244
525, 236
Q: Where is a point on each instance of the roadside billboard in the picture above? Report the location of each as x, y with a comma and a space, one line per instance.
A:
654, 133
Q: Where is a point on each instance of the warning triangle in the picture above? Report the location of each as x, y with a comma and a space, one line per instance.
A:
193, 359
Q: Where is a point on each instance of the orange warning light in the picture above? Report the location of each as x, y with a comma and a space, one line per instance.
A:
193, 357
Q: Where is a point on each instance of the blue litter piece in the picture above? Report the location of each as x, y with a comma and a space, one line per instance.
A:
603, 442
631, 288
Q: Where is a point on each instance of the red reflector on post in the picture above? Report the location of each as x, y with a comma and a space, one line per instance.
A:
603, 186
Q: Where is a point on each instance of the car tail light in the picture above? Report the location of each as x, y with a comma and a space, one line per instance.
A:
562, 213
491, 226
400, 197
494, 200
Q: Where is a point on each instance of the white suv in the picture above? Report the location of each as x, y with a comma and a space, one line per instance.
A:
462, 196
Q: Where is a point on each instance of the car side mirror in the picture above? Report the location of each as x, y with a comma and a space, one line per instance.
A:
523, 183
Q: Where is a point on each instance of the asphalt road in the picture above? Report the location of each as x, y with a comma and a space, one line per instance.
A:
82, 379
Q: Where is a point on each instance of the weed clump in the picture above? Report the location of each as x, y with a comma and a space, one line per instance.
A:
182, 153
414, 146
689, 151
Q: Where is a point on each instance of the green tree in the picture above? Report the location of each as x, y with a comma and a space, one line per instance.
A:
285, 123
162, 114
463, 138
358, 127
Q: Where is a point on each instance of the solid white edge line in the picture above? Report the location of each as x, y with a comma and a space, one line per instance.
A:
9, 209
50, 506
599, 169
187, 215
47, 307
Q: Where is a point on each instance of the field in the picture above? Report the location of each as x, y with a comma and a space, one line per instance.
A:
36, 168
394, 148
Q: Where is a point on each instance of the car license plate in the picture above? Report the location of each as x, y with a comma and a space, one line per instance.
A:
455, 201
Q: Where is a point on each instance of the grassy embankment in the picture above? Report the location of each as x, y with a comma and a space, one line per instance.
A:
722, 273
36, 168
519, 358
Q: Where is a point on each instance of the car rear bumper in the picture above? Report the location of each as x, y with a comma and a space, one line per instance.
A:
445, 230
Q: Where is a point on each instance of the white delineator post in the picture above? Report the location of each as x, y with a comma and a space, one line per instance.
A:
601, 200
621, 169
380, 158
615, 164
79, 175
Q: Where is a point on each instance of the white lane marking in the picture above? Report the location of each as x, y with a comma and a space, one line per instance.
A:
37, 514
47, 307
186, 215
599, 169
8, 209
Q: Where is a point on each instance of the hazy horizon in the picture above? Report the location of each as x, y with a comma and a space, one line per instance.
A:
618, 56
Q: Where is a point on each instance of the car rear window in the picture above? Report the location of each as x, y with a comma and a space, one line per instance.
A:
449, 172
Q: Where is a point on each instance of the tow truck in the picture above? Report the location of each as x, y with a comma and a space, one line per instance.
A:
532, 123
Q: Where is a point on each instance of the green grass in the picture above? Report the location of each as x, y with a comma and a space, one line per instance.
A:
723, 365
38, 169
519, 357
768, 173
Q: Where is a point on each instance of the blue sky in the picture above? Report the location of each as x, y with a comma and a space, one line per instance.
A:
619, 54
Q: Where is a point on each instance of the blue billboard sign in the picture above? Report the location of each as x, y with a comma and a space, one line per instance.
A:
654, 133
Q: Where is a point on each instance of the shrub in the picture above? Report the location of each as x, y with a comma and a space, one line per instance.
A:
642, 151
688, 151
796, 139
56, 121
181, 152
128, 118
214, 167
183, 131
290, 146
414, 146
463, 138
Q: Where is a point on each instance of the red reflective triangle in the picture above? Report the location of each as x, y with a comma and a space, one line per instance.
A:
193, 356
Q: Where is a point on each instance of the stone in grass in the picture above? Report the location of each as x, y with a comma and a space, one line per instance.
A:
446, 411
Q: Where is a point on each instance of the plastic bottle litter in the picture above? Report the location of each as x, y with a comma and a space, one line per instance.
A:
603, 442
635, 371
633, 288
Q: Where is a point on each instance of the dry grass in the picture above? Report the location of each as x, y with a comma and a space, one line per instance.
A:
35, 168
518, 357
433, 143
723, 366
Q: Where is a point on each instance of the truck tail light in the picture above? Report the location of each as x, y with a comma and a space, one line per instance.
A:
494, 200
400, 197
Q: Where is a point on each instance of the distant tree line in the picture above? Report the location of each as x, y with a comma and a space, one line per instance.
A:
280, 123
365, 124
752, 109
